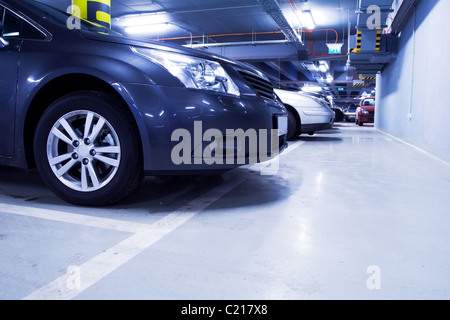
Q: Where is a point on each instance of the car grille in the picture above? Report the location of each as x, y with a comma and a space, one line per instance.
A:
261, 86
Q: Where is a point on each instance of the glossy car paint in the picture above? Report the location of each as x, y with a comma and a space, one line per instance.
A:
350, 113
68, 60
314, 114
365, 113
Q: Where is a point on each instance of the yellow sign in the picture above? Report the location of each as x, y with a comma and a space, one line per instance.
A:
95, 11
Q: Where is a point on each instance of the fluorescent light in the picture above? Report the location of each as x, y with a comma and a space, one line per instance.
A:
307, 19
330, 79
148, 29
323, 66
152, 23
311, 89
132, 20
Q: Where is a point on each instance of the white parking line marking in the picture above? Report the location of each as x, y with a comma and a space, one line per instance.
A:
262, 165
74, 218
292, 147
144, 236
100, 266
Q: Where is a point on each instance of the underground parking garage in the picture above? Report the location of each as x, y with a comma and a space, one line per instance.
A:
252, 150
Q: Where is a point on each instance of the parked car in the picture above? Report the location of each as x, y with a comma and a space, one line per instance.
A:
350, 113
95, 111
307, 114
365, 113
338, 111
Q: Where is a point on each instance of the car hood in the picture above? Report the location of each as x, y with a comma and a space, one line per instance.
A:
368, 108
297, 98
90, 35
38, 12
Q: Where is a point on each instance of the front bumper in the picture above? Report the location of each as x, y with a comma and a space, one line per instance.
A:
316, 121
172, 119
311, 128
366, 119
350, 116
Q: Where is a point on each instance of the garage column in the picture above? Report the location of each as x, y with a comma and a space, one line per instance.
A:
98, 11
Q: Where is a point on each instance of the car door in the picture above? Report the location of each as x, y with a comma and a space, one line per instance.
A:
9, 62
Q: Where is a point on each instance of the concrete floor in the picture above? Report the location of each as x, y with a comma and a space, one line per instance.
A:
351, 213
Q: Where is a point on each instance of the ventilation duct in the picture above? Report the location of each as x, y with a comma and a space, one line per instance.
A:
371, 49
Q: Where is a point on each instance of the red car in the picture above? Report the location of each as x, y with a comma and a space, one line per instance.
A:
365, 113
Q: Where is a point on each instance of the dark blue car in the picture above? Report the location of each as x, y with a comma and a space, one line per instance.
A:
95, 112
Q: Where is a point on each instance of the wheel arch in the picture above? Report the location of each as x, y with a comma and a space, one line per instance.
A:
297, 117
52, 91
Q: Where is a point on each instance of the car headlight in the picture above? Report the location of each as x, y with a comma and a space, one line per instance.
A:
364, 111
193, 72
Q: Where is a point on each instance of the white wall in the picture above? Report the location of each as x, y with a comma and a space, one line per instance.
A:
418, 82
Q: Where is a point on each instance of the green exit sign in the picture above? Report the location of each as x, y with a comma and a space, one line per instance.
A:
334, 48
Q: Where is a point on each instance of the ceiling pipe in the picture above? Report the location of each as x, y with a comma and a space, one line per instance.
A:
203, 10
232, 44
402, 15
370, 56
349, 43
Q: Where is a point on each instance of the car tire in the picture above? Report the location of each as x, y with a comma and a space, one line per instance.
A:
293, 126
339, 115
87, 149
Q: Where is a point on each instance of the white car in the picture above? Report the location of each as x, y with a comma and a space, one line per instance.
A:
307, 114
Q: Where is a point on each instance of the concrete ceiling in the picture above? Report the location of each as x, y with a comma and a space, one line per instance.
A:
255, 31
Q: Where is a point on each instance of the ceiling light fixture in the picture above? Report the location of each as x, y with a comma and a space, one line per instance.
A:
150, 23
153, 29
312, 89
307, 19
323, 66
303, 16
131, 20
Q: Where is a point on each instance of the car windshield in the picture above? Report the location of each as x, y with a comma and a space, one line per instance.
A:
369, 102
57, 10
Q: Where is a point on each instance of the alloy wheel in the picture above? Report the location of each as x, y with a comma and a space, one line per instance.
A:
83, 151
